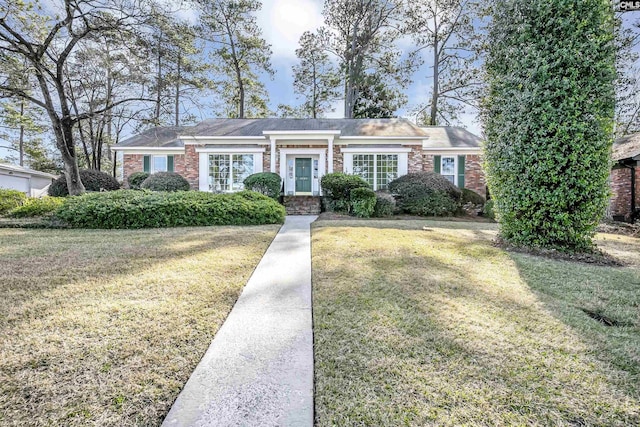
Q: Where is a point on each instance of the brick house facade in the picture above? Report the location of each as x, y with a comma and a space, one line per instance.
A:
625, 179
217, 154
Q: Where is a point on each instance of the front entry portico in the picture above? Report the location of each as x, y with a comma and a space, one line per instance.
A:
302, 169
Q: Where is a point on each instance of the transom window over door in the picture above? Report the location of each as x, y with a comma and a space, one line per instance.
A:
228, 171
377, 169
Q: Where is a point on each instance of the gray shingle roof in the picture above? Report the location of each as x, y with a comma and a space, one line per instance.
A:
16, 168
168, 137
626, 147
450, 137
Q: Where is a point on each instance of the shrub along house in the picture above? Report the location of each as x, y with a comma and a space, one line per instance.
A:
624, 178
218, 154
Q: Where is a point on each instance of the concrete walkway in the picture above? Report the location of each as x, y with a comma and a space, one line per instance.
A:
258, 370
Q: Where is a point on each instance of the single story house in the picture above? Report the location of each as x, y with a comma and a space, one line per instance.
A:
624, 178
31, 182
218, 154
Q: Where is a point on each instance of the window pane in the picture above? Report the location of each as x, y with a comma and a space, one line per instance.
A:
448, 169
448, 166
363, 167
387, 170
219, 173
159, 163
242, 168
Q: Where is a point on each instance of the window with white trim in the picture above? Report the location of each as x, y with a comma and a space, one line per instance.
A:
377, 169
228, 171
159, 164
448, 168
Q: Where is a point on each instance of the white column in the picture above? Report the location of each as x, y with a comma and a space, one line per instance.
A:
273, 155
330, 155
203, 174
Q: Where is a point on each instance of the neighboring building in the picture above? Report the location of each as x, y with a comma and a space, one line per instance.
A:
218, 154
624, 178
31, 182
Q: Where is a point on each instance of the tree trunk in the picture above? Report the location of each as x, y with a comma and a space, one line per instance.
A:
156, 113
21, 140
64, 141
433, 116
178, 78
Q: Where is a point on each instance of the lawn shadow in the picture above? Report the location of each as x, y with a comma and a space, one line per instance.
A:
105, 327
436, 340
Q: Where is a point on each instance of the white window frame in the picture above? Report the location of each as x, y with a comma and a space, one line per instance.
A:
402, 153
152, 165
203, 164
455, 167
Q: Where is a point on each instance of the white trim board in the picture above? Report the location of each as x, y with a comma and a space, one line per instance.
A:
231, 150
148, 150
375, 150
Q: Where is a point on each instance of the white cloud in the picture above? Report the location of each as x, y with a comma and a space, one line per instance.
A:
284, 21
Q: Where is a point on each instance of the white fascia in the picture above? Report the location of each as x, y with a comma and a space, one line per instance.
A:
355, 140
231, 149
452, 150
223, 140
149, 150
323, 135
375, 150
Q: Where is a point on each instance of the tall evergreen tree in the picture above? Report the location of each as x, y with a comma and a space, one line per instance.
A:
316, 78
548, 119
363, 34
239, 55
444, 30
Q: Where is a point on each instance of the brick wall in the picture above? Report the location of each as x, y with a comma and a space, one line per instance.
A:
190, 166
427, 163
474, 178
131, 163
135, 163
338, 159
266, 161
620, 204
415, 159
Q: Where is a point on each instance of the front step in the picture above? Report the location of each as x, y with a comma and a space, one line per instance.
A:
302, 205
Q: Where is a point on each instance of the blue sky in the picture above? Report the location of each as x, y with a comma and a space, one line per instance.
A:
284, 21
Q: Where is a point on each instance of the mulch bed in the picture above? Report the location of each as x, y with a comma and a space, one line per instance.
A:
594, 258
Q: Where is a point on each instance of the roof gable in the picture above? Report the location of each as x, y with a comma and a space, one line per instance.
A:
626, 147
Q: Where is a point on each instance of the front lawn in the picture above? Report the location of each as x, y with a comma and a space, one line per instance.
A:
105, 327
427, 323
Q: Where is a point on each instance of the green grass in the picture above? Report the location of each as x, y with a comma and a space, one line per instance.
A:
426, 323
105, 327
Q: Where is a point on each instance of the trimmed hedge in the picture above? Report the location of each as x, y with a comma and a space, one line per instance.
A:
37, 207
93, 180
489, 210
437, 203
136, 179
10, 199
385, 205
548, 117
337, 187
267, 183
363, 202
470, 196
426, 194
145, 209
165, 181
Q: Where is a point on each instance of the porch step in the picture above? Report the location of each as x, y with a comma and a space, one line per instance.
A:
302, 205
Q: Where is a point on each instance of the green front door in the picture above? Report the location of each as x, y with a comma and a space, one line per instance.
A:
303, 175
